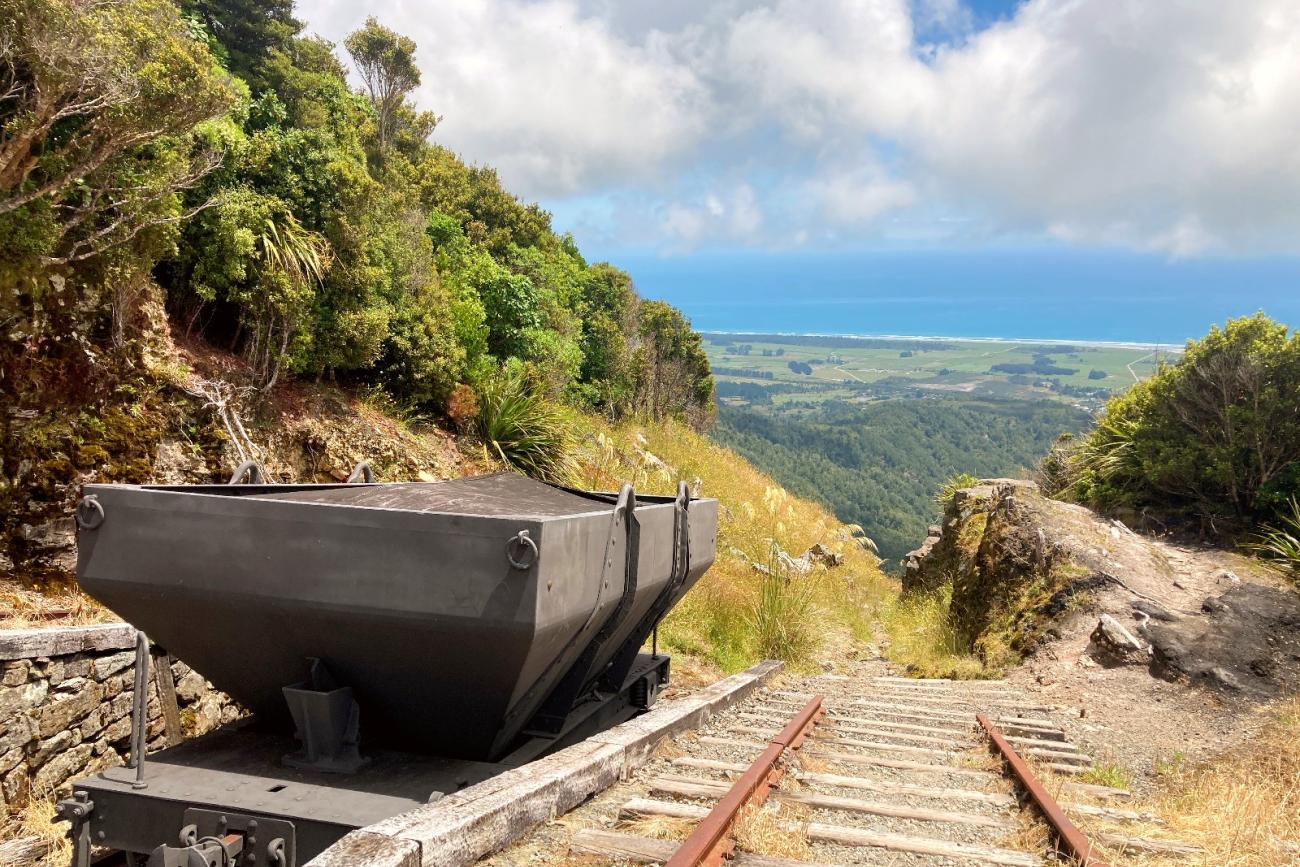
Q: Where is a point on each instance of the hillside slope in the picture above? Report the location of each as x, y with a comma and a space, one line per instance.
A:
188, 419
1168, 649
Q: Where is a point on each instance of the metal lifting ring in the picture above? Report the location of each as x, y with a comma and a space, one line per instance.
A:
362, 473
89, 514
275, 851
249, 469
523, 540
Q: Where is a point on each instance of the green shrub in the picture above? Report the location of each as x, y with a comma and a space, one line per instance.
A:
1214, 437
523, 429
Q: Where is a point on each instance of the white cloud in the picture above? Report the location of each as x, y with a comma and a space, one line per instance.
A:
858, 196
734, 217
1169, 126
556, 101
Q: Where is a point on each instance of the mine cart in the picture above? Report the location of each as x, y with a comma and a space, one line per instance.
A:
391, 643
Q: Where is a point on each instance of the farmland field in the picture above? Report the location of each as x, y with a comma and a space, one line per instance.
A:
804, 370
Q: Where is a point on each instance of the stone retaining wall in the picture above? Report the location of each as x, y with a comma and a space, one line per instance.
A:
65, 706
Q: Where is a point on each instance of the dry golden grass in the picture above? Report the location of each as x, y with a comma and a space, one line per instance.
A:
659, 827
668, 748
34, 837
728, 617
60, 604
923, 640
1033, 835
1243, 808
814, 765
774, 830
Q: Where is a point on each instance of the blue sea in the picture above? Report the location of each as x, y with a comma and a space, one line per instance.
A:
1044, 294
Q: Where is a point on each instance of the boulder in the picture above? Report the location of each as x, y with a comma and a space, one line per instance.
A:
1111, 644
824, 556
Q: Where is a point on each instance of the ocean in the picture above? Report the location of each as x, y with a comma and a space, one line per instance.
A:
1047, 295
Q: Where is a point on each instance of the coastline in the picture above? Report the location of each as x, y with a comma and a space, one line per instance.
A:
934, 338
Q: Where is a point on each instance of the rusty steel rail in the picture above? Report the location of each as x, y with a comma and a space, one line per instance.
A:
711, 841
1073, 841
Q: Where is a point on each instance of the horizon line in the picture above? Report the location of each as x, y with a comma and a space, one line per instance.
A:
935, 338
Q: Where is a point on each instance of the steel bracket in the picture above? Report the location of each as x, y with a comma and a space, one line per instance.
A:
266, 842
77, 810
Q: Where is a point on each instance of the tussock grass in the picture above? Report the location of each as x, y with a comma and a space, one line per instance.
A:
765, 829
1280, 543
739, 613
524, 430
922, 638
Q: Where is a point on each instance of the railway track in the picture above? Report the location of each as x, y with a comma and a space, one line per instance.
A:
874, 770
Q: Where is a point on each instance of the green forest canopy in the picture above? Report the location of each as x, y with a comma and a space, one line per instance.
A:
879, 464
210, 155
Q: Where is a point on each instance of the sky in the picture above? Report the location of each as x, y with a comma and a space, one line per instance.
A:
1151, 142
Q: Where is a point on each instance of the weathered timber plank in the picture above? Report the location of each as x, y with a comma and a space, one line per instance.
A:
823, 833
890, 709
687, 787
826, 738
1062, 746
1113, 813
1057, 756
920, 845
902, 764
166, 684
371, 850
1096, 790
952, 707
1148, 844
832, 718
923, 734
647, 850
865, 783
925, 681
890, 787
61, 640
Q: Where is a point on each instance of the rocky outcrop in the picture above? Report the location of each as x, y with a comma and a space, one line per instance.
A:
1245, 640
189, 432
1008, 578
1030, 574
1112, 644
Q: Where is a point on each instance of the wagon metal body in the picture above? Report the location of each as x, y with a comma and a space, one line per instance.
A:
435, 633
